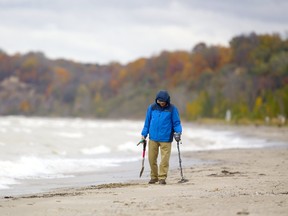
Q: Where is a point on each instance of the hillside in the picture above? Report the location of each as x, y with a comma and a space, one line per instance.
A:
249, 78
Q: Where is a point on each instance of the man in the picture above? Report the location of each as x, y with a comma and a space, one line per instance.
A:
162, 121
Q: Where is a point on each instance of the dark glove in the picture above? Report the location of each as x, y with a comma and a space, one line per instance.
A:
177, 136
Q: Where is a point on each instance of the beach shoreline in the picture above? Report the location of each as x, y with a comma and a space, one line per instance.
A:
251, 181
237, 182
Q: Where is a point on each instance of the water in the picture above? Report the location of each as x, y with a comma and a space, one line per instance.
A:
38, 154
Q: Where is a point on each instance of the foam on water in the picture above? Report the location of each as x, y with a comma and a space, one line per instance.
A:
96, 150
37, 148
70, 135
204, 139
128, 147
28, 167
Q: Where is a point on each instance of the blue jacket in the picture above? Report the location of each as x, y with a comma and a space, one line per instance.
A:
162, 122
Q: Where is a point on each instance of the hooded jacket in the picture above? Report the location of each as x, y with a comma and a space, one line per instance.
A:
162, 122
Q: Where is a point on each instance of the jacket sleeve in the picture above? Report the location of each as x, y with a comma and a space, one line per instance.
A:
145, 130
176, 121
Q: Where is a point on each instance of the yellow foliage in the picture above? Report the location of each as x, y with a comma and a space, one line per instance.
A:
25, 106
258, 103
29, 63
122, 74
97, 98
193, 109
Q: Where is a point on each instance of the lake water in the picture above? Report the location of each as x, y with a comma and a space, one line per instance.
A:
39, 154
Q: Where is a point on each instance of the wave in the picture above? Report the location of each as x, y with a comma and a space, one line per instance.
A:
58, 148
204, 139
96, 150
30, 167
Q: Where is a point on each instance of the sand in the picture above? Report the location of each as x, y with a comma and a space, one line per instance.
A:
230, 182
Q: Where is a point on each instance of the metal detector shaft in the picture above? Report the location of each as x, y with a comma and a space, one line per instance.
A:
180, 161
180, 164
143, 155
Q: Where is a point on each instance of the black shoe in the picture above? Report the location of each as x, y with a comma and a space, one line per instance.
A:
153, 181
162, 182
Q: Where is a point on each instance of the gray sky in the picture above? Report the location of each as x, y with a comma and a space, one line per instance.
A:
123, 30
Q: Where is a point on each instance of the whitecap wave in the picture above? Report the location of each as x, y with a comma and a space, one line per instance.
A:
30, 167
70, 135
204, 139
128, 146
96, 150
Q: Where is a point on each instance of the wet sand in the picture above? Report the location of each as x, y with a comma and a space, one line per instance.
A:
231, 182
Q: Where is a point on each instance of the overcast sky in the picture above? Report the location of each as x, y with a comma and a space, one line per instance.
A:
101, 31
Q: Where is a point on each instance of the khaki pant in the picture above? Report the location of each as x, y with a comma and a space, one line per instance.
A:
153, 151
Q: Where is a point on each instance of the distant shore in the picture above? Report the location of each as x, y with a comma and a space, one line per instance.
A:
231, 182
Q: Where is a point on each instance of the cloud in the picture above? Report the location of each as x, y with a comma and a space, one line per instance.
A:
113, 30
261, 10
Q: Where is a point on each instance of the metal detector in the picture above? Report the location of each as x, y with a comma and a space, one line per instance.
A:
183, 180
144, 142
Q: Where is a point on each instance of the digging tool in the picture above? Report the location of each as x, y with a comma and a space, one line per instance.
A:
183, 180
144, 142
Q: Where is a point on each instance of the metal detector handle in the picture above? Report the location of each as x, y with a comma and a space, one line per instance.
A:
144, 148
142, 141
177, 136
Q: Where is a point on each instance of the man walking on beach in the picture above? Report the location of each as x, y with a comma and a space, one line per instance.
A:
162, 121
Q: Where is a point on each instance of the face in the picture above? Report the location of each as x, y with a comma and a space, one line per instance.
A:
161, 103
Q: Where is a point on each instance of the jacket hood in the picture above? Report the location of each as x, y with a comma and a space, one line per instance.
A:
163, 96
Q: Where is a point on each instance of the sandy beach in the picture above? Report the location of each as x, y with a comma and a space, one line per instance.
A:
230, 182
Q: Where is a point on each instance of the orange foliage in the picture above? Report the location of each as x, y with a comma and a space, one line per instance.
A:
135, 69
225, 56
62, 75
114, 84
176, 62
199, 65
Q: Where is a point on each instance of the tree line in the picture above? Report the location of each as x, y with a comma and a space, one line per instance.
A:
248, 79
